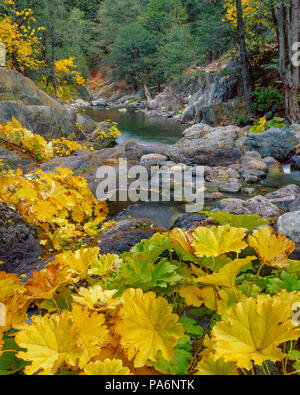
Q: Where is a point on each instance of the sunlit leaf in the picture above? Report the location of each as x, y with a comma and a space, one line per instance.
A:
272, 250
210, 367
254, 328
216, 241
147, 326
226, 277
107, 367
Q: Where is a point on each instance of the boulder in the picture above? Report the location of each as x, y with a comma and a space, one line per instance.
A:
285, 197
256, 205
233, 185
19, 244
295, 162
153, 158
289, 225
190, 221
274, 166
275, 142
127, 233
37, 111
251, 176
99, 103
204, 145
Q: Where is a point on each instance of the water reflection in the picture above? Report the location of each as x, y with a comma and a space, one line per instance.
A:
139, 127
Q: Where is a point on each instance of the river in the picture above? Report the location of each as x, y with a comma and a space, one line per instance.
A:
138, 127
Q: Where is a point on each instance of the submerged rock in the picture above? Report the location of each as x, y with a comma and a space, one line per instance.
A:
19, 244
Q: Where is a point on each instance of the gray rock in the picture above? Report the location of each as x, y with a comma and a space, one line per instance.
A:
289, 225
126, 234
153, 158
188, 114
295, 206
190, 221
275, 142
204, 145
251, 155
274, 166
99, 103
295, 162
231, 186
257, 165
256, 205
37, 111
251, 176
284, 197
19, 244
249, 191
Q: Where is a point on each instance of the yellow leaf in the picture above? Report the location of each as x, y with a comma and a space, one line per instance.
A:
209, 367
254, 328
9, 285
107, 367
182, 239
195, 296
95, 298
218, 240
44, 284
147, 326
226, 276
50, 341
2, 315
104, 265
93, 332
78, 262
272, 250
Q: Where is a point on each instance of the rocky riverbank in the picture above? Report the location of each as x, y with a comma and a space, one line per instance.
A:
235, 166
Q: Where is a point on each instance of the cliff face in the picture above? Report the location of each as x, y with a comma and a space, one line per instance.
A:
208, 98
37, 111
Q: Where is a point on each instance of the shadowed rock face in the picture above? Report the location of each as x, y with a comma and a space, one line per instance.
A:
19, 244
37, 111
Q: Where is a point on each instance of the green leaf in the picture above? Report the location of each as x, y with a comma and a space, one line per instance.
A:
9, 363
249, 222
138, 272
179, 365
287, 281
191, 327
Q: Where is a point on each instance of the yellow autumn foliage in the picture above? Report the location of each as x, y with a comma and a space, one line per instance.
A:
22, 42
59, 203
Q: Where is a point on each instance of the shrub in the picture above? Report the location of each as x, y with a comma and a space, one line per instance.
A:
261, 125
265, 98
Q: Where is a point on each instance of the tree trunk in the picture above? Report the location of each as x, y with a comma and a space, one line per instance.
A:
245, 66
53, 47
287, 15
147, 93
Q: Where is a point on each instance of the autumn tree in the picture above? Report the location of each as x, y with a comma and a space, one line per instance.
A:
21, 39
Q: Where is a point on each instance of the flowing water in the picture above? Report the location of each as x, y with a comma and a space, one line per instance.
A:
138, 127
